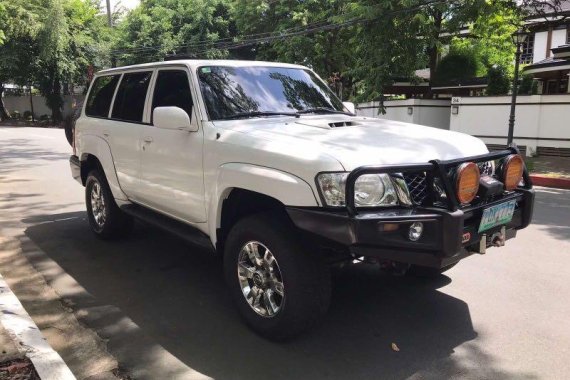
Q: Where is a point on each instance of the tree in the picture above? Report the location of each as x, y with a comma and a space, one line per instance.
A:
458, 65
329, 52
50, 43
56, 63
158, 28
19, 26
499, 82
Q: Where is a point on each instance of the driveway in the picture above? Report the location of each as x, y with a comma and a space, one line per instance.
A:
159, 308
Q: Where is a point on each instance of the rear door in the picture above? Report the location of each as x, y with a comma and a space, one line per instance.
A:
172, 175
124, 131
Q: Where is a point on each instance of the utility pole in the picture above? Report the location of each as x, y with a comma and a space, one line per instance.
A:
518, 39
110, 22
32, 103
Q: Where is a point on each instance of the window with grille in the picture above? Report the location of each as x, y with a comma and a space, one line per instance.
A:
527, 49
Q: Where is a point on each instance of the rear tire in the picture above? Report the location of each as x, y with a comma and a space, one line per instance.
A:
280, 286
106, 219
428, 272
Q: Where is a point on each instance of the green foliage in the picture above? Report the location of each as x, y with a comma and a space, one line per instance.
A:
55, 58
525, 87
330, 53
50, 44
459, 64
528, 86
158, 28
387, 47
499, 82
490, 37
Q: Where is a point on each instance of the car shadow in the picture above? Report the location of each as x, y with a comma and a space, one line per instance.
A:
176, 295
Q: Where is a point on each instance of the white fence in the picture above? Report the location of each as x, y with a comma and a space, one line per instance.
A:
22, 104
430, 112
541, 120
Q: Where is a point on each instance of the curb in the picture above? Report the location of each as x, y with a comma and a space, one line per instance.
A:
559, 183
19, 325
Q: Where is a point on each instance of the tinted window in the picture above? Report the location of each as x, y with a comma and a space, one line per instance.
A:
172, 90
101, 96
129, 103
230, 91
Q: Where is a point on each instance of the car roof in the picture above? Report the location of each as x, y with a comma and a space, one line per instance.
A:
194, 63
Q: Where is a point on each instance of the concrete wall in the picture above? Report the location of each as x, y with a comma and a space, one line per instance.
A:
22, 104
433, 113
540, 120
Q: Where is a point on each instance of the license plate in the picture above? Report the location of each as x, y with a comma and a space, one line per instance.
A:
497, 215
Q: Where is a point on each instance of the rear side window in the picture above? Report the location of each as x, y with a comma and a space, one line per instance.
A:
172, 90
130, 99
101, 95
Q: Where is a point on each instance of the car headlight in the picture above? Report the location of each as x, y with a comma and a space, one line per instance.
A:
370, 190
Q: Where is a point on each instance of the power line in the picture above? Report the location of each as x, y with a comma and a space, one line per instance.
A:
267, 37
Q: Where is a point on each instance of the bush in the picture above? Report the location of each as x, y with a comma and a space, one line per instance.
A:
16, 115
499, 82
456, 66
534, 87
528, 86
27, 115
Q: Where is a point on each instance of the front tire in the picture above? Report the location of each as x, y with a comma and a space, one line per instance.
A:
280, 286
107, 221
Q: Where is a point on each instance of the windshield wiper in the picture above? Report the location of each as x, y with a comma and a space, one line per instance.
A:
322, 110
257, 114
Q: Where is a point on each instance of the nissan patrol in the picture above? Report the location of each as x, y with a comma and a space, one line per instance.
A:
261, 163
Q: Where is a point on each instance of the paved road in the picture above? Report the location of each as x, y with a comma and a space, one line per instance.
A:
160, 306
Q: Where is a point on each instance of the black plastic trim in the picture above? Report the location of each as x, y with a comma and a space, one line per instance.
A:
75, 165
441, 244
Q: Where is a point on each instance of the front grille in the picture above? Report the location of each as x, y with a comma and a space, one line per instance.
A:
486, 168
417, 186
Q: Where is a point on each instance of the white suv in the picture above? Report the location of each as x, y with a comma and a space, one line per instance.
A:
262, 163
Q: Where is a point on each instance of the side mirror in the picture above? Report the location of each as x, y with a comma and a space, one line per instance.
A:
349, 106
173, 118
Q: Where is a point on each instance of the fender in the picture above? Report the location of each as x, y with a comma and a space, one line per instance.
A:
285, 187
98, 147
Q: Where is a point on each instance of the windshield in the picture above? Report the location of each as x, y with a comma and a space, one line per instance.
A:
232, 92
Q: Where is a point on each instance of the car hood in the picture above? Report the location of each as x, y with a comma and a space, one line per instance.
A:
357, 141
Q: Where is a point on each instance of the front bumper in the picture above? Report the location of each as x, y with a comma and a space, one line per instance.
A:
450, 233
442, 243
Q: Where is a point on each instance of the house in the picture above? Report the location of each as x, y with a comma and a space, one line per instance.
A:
546, 51
545, 56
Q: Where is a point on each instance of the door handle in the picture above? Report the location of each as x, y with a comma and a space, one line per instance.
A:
148, 139
106, 133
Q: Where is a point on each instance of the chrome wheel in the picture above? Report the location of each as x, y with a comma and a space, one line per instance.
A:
260, 279
98, 204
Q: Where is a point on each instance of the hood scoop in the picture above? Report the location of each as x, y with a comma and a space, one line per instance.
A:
338, 124
327, 125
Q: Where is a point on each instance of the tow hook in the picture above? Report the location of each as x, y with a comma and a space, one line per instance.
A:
495, 240
498, 238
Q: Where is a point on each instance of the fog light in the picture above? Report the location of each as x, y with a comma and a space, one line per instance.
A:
416, 230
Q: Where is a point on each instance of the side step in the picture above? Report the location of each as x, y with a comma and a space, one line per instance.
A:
182, 230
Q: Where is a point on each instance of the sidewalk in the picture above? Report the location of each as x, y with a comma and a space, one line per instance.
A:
25, 353
550, 171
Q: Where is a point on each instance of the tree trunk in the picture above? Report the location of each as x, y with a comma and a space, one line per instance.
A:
56, 102
3, 112
433, 50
